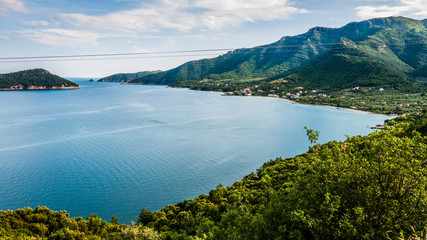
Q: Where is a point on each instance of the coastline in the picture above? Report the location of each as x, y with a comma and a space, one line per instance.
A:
345, 108
22, 88
285, 99
295, 102
126, 83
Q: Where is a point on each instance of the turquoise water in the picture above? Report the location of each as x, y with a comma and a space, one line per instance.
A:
114, 149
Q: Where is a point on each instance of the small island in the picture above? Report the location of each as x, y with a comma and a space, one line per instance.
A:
34, 79
126, 77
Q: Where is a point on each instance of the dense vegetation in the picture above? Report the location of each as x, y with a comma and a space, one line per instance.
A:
34, 77
384, 52
351, 67
367, 187
372, 99
42, 223
124, 77
387, 101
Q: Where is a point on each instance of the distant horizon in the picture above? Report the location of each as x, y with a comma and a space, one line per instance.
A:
63, 27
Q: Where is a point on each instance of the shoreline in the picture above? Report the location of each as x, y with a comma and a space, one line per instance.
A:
285, 99
349, 109
21, 88
294, 102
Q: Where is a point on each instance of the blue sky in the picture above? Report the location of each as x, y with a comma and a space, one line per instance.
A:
74, 27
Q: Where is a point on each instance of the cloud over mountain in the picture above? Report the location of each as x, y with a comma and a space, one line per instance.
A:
402, 7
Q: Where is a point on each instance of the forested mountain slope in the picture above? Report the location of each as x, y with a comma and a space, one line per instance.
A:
395, 46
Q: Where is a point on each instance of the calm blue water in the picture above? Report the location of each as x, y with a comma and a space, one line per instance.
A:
114, 149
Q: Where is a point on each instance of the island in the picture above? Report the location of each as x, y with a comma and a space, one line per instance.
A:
126, 77
34, 79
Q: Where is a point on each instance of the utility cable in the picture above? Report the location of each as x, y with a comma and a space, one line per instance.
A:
183, 53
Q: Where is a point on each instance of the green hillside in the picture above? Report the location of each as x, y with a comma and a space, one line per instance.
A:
351, 66
34, 79
366, 187
388, 52
124, 77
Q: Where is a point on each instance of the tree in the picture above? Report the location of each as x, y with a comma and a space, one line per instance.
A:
312, 135
114, 220
145, 216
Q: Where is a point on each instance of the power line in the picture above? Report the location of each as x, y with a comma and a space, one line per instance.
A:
109, 58
181, 53
114, 54
98, 57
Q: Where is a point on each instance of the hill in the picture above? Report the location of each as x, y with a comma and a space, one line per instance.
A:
383, 52
350, 67
366, 187
34, 79
125, 77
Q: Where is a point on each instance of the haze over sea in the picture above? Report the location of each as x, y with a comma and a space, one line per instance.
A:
114, 149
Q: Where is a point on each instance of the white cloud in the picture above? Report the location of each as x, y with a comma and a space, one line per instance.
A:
185, 15
231, 12
7, 6
186, 36
4, 37
62, 37
140, 50
126, 21
403, 7
158, 16
37, 23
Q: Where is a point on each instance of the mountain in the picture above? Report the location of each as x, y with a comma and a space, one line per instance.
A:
350, 67
34, 79
125, 77
389, 52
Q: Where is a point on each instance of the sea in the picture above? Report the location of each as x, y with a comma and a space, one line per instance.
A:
113, 149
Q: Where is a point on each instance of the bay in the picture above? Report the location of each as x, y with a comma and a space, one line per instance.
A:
113, 149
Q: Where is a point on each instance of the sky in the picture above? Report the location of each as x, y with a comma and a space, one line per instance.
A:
163, 34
